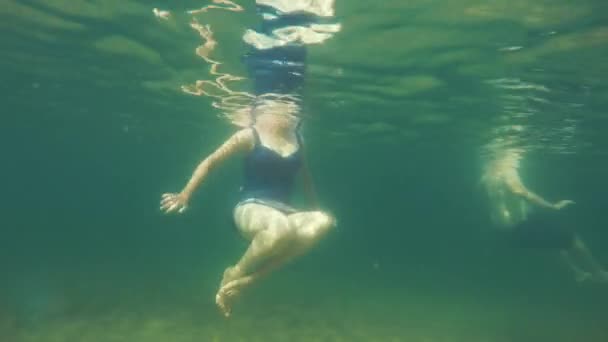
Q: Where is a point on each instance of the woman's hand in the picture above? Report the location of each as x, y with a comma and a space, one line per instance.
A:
174, 202
562, 204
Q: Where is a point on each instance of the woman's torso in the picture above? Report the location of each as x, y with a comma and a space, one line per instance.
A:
507, 209
269, 174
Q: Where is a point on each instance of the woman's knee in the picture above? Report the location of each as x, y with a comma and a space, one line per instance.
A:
325, 220
319, 224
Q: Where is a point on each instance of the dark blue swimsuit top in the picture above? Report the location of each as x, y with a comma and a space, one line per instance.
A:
268, 175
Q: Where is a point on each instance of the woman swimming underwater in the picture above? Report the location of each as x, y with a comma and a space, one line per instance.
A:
273, 155
530, 220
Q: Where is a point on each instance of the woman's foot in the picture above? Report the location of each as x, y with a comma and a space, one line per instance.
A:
231, 273
229, 292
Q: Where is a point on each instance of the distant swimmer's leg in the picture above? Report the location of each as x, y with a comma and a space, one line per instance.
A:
270, 235
579, 274
583, 256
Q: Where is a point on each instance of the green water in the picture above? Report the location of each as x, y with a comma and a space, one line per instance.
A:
400, 105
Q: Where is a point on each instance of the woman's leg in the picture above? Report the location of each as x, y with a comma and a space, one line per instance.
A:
270, 234
579, 254
579, 274
309, 228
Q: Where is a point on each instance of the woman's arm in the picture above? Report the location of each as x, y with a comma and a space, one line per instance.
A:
240, 141
532, 197
520, 190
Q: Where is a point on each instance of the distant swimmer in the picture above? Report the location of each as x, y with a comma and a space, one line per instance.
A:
271, 143
531, 221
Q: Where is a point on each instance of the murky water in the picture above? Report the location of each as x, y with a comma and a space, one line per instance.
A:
401, 107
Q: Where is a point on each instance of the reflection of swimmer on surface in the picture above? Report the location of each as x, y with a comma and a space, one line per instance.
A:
274, 155
531, 221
